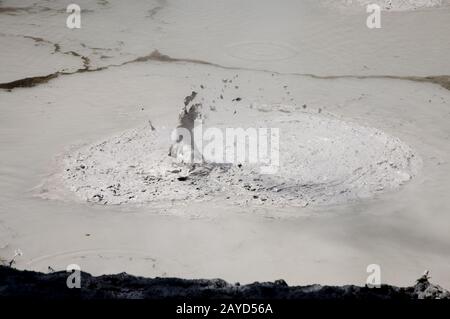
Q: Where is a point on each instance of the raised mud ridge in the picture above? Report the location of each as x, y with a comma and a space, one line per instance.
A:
442, 80
17, 283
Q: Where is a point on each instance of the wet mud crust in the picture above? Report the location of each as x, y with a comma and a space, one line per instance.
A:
28, 82
15, 283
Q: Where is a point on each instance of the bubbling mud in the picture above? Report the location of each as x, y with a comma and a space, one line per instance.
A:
322, 160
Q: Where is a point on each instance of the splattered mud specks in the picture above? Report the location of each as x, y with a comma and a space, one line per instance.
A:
323, 160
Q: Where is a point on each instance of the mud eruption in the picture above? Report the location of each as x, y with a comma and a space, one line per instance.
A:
323, 160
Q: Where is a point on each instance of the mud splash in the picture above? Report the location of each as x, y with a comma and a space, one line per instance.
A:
327, 161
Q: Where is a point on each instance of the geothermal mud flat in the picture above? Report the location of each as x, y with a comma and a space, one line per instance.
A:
364, 161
